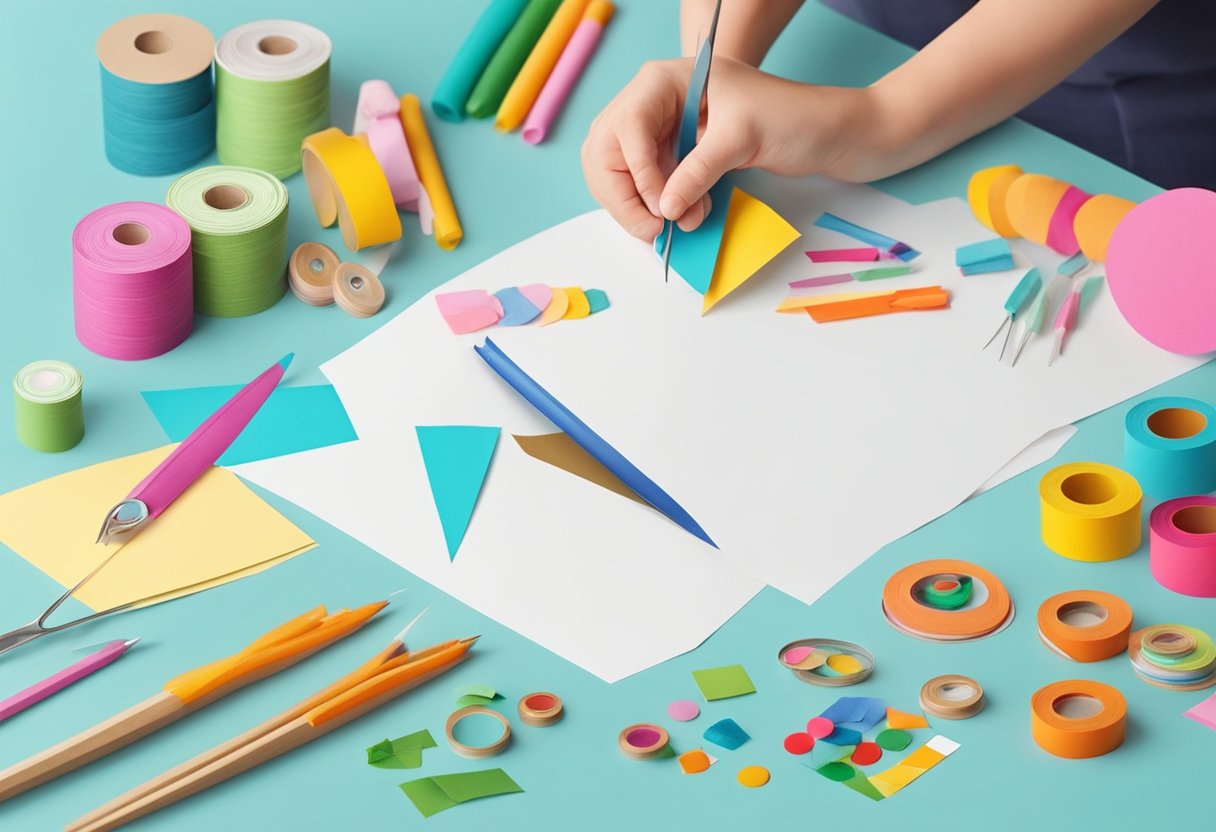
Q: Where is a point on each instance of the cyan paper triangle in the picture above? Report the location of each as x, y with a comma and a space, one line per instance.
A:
457, 458
694, 253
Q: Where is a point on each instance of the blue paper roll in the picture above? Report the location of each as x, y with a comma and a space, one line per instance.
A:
462, 73
1169, 446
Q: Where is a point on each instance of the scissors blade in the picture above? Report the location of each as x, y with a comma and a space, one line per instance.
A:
19, 636
670, 231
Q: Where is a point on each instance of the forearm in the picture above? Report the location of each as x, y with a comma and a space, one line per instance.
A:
746, 28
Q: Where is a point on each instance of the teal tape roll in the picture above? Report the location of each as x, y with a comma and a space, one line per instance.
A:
1169, 446
467, 64
48, 406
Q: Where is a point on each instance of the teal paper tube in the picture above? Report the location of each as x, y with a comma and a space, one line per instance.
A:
470, 60
496, 79
1169, 446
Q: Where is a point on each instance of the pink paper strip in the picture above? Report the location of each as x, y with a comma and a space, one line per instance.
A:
565, 73
376, 114
1060, 234
826, 280
843, 255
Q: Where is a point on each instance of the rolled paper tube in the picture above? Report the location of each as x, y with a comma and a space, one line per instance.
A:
1090, 511
952, 697
477, 752
986, 193
535, 72
1031, 200
540, 709
1085, 625
271, 90
1078, 719
238, 228
310, 273
450, 97
347, 185
1060, 234
47, 406
132, 280
357, 291
1169, 446
990, 609
810, 667
509, 57
448, 232
1182, 545
157, 102
1096, 221
643, 740
377, 115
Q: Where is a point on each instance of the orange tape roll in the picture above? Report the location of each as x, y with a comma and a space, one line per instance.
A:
1090, 511
1078, 719
990, 608
1085, 625
1095, 222
1031, 201
986, 193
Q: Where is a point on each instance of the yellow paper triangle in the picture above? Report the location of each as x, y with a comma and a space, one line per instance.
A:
753, 234
902, 720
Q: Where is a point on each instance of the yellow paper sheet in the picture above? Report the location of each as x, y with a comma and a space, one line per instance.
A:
799, 303
216, 532
753, 235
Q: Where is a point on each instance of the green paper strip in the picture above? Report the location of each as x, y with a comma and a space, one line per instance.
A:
860, 783
498, 75
403, 752
879, 274
480, 691
431, 795
466, 701
48, 406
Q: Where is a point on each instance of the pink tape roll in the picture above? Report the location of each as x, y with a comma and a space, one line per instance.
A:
1182, 545
376, 116
132, 280
1060, 234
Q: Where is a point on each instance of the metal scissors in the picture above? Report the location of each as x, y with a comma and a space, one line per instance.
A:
157, 491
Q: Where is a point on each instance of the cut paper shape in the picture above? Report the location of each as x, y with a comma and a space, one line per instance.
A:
560, 451
556, 310
834, 223
858, 713
843, 255
293, 419
905, 721
726, 733
753, 235
1204, 712
217, 531
694, 258
866, 753
469, 310
403, 752
861, 784
538, 294
597, 300
837, 771
883, 303
824, 752
882, 273
683, 710
914, 765
842, 736
695, 761
457, 458
465, 701
517, 310
723, 682
432, 795
981, 251
844, 664
812, 282
820, 727
480, 691
753, 777
799, 742
578, 306
1072, 265
893, 739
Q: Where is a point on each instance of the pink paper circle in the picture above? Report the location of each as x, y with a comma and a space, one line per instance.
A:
1160, 273
683, 710
819, 727
797, 654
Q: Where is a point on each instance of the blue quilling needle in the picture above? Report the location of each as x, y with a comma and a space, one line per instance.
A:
1026, 288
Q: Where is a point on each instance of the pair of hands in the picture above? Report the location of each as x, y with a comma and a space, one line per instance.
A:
754, 120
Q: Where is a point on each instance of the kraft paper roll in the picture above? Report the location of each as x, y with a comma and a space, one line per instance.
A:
1182, 545
1169, 446
540, 709
238, 226
986, 194
132, 280
310, 273
477, 752
989, 609
1173, 657
357, 291
157, 106
509, 57
448, 232
952, 697
1090, 511
1078, 719
1031, 200
566, 72
48, 407
271, 90
348, 186
452, 94
522, 93
1085, 625
1096, 221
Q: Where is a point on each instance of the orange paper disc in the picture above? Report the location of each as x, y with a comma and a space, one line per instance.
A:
1096, 221
1085, 625
1031, 200
989, 609
1078, 718
986, 192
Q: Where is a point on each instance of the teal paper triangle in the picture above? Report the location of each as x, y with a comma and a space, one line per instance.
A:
694, 253
457, 458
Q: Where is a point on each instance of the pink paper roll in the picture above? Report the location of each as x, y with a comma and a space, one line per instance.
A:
376, 116
565, 73
132, 280
1060, 234
1182, 545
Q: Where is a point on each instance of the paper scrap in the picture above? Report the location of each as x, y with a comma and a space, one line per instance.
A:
825, 280
431, 795
217, 531
754, 234
842, 736
695, 252
577, 305
556, 310
843, 255
469, 310
726, 733
860, 783
893, 739
882, 273
517, 310
834, 223
799, 742
683, 710
481, 691
597, 300
695, 761
560, 451
723, 682
866, 753
753, 777
1204, 712
914, 765
538, 294
457, 458
293, 419
403, 752
981, 251
905, 721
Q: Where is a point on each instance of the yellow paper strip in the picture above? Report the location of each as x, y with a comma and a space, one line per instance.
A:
898, 776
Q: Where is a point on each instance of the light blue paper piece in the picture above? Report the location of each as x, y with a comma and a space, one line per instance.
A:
834, 223
996, 264
457, 458
293, 419
1073, 264
694, 258
597, 299
726, 733
973, 253
517, 310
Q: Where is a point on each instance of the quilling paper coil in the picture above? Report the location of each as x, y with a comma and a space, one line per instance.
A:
271, 90
357, 291
987, 611
48, 412
347, 185
1182, 545
310, 273
986, 193
477, 752
952, 697
1085, 625
1169, 446
157, 106
643, 740
132, 280
1096, 221
540, 709
827, 662
1078, 719
1090, 511
1173, 656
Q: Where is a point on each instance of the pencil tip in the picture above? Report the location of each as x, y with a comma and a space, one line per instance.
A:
470, 639
132, 642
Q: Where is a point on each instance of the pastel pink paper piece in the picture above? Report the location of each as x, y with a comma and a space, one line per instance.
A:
825, 280
469, 311
819, 727
843, 255
797, 654
683, 710
1060, 234
538, 294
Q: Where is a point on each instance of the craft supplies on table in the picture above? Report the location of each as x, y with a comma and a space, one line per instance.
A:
952, 697
1035, 318
1078, 719
357, 291
271, 90
846, 307
826, 662
1065, 322
157, 103
1182, 545
984, 257
1090, 511
474, 309
48, 408
570, 65
447, 230
90, 664
431, 795
541, 709
1085, 625
1173, 657
1169, 446
539, 65
238, 228
986, 193
987, 611
1095, 224
479, 751
1042, 208
132, 280
885, 244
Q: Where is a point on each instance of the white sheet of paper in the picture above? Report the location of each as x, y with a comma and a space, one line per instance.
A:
1036, 453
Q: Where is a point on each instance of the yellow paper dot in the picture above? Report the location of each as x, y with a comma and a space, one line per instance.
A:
753, 776
844, 663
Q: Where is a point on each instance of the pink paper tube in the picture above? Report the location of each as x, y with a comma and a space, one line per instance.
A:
567, 70
1182, 545
132, 280
826, 280
843, 255
1060, 234
376, 117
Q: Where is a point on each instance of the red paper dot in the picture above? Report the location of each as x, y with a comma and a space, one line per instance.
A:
820, 727
866, 753
799, 742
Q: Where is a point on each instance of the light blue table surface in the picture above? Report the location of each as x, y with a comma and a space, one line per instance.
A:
574, 777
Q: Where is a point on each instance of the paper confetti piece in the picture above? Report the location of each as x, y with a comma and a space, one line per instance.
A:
723, 682
866, 753
695, 761
597, 300
834, 223
843, 255
556, 310
538, 294
457, 458
469, 310
902, 720
820, 727
882, 273
480, 691
799, 742
431, 795
683, 710
579, 307
837, 771
753, 777
845, 664
843, 736
726, 733
517, 310
803, 658
1204, 713
825, 280
403, 752
893, 739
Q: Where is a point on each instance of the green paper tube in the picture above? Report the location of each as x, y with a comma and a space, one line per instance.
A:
238, 230
494, 82
471, 59
48, 407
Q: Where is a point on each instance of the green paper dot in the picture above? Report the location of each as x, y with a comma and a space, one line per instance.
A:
893, 739
837, 771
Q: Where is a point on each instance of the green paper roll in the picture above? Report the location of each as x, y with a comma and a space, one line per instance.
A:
238, 230
48, 406
471, 59
494, 82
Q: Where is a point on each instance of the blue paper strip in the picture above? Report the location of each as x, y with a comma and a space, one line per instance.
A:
834, 223
996, 264
981, 251
1073, 264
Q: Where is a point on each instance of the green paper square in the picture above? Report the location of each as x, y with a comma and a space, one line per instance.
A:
723, 682
427, 797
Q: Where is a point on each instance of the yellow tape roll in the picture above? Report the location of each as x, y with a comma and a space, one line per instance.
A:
1090, 511
986, 192
347, 184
